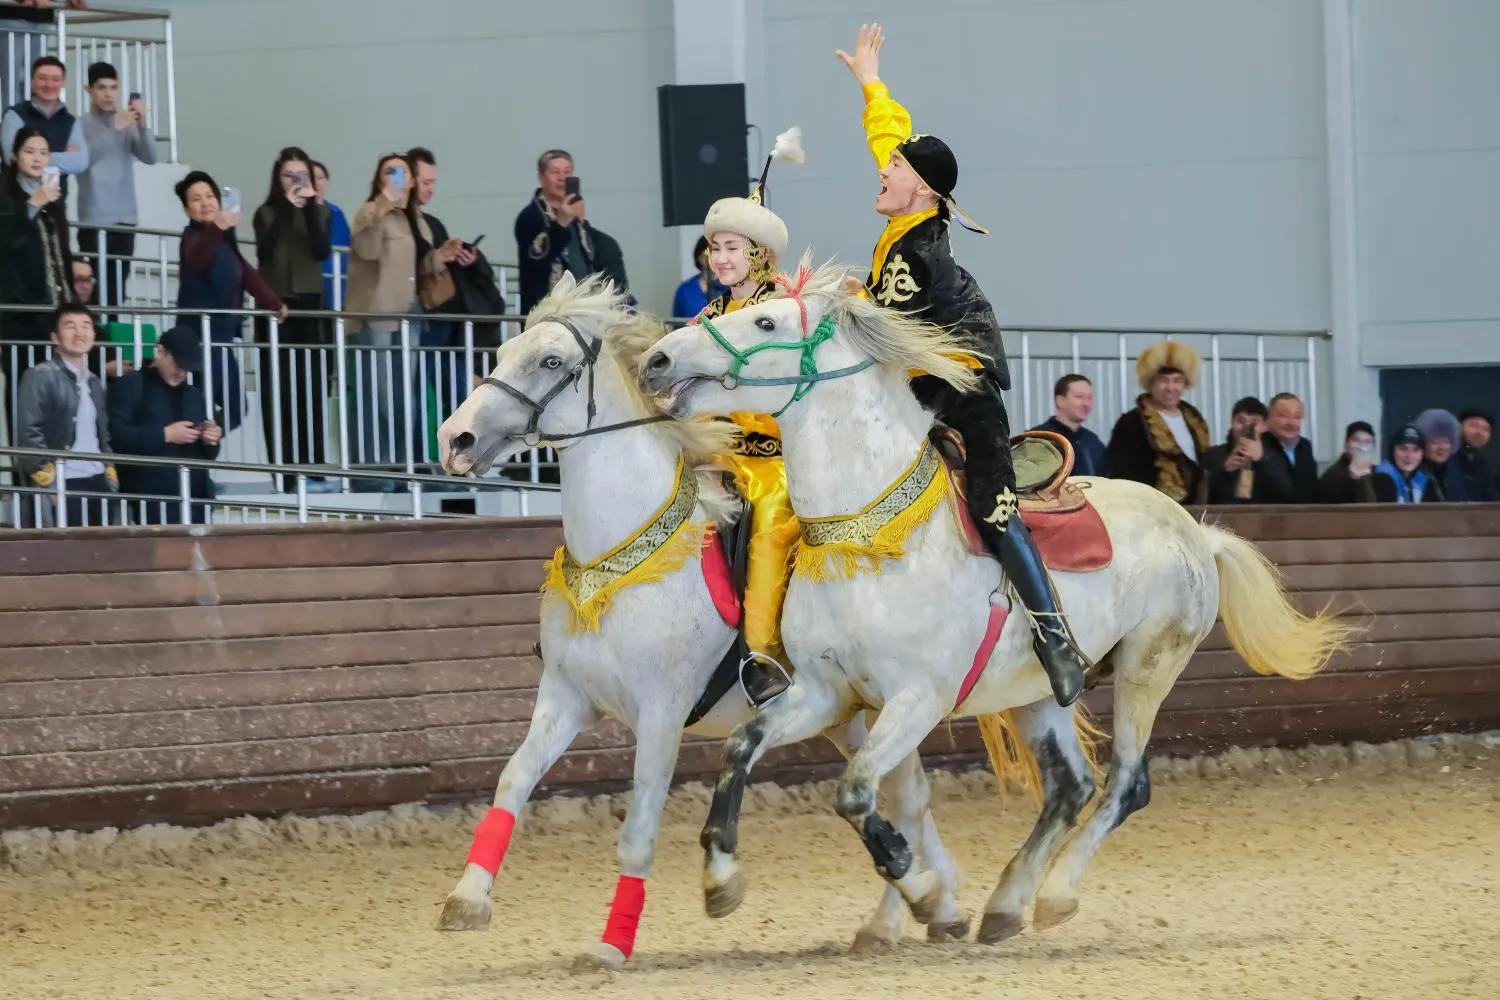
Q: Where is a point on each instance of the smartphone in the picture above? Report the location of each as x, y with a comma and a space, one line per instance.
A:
51, 176
1248, 432
135, 95
396, 174
475, 244
572, 188
229, 200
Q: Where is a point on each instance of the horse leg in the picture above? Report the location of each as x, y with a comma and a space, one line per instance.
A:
1145, 670
656, 743
909, 795
904, 722
804, 710
1066, 789
561, 713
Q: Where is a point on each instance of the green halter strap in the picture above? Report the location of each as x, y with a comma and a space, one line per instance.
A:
808, 368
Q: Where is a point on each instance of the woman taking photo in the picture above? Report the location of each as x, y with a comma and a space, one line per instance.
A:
292, 240
384, 268
35, 265
213, 275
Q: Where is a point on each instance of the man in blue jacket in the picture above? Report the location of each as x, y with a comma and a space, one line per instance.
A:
156, 412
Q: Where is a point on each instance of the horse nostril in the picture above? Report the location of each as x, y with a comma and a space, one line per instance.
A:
462, 442
659, 363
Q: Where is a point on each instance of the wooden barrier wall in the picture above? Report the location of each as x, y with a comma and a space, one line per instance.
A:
151, 674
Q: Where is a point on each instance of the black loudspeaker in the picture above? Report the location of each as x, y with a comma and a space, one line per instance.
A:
703, 154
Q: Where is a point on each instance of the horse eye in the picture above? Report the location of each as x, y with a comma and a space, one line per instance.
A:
552, 361
766, 323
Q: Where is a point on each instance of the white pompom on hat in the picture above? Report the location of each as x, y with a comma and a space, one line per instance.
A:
749, 217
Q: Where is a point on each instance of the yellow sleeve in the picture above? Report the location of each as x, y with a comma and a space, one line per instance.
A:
887, 123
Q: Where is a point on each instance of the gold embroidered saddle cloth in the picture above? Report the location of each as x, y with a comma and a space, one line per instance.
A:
1066, 528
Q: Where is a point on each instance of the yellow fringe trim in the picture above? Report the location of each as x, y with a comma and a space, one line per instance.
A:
666, 560
846, 558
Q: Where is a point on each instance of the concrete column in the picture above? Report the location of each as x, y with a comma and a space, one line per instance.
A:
722, 42
1356, 387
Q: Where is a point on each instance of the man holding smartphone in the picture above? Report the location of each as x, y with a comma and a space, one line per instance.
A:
1234, 467
117, 137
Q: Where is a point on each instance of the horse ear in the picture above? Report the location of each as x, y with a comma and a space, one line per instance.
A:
565, 284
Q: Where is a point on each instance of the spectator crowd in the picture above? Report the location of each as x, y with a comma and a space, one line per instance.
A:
404, 264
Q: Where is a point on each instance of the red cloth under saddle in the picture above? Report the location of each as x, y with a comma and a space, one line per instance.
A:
720, 582
1075, 542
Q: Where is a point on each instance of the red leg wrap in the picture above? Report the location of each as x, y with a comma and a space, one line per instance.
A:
491, 840
625, 914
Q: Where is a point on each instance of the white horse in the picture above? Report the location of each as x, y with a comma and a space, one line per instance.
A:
657, 643
899, 638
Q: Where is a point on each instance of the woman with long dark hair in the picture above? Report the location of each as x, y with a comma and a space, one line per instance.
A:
384, 265
213, 275
35, 265
292, 240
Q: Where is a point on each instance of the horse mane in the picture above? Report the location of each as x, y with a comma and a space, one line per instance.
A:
892, 338
596, 303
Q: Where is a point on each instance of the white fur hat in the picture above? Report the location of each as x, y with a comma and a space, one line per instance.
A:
749, 217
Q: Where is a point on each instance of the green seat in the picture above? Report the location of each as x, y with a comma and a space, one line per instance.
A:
124, 333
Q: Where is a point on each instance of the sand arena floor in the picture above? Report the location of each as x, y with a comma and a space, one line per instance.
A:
1369, 873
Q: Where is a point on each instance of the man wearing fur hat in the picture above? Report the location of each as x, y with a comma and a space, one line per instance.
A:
913, 271
1163, 441
745, 240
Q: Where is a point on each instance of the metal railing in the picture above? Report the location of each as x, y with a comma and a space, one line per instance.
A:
57, 505
138, 43
1235, 363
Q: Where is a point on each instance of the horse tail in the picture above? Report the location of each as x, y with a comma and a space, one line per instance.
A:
1272, 636
1012, 761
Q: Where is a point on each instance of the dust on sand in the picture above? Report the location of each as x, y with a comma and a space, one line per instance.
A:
1367, 872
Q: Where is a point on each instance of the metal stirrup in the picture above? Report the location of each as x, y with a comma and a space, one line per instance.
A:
755, 657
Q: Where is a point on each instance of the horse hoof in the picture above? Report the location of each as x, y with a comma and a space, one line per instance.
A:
870, 941
600, 957
461, 913
720, 899
950, 930
999, 926
929, 897
1054, 910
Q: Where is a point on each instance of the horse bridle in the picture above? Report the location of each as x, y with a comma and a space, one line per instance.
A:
807, 375
591, 347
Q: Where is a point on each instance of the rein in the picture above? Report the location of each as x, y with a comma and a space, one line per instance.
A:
808, 374
591, 348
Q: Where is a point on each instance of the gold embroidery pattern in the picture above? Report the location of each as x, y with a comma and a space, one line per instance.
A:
896, 282
1006, 503
584, 582
540, 245
757, 445
860, 528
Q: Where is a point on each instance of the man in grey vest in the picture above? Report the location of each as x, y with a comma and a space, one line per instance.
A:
46, 112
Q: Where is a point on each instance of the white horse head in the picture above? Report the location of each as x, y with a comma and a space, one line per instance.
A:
568, 375
766, 357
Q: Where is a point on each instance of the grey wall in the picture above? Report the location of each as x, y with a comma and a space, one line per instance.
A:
1151, 162
1428, 133
487, 84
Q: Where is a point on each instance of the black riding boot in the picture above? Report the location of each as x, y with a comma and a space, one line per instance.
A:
762, 678
1024, 568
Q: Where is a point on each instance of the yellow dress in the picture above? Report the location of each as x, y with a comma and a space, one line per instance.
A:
761, 477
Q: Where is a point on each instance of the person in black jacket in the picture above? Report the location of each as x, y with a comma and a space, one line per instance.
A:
1288, 468
156, 412
1475, 427
36, 267
1234, 467
913, 271
1352, 478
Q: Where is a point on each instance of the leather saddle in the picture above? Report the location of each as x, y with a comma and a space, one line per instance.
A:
1043, 462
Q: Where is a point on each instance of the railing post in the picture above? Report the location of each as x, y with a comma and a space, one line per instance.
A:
1025, 379
62, 53
185, 494
1213, 346
406, 394
171, 91
1312, 392
467, 379
1260, 366
340, 390
1125, 397
338, 290
161, 286
60, 486
416, 500
208, 370
135, 323
301, 498
101, 258
275, 375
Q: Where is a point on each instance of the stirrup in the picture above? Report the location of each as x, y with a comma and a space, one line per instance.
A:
754, 658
